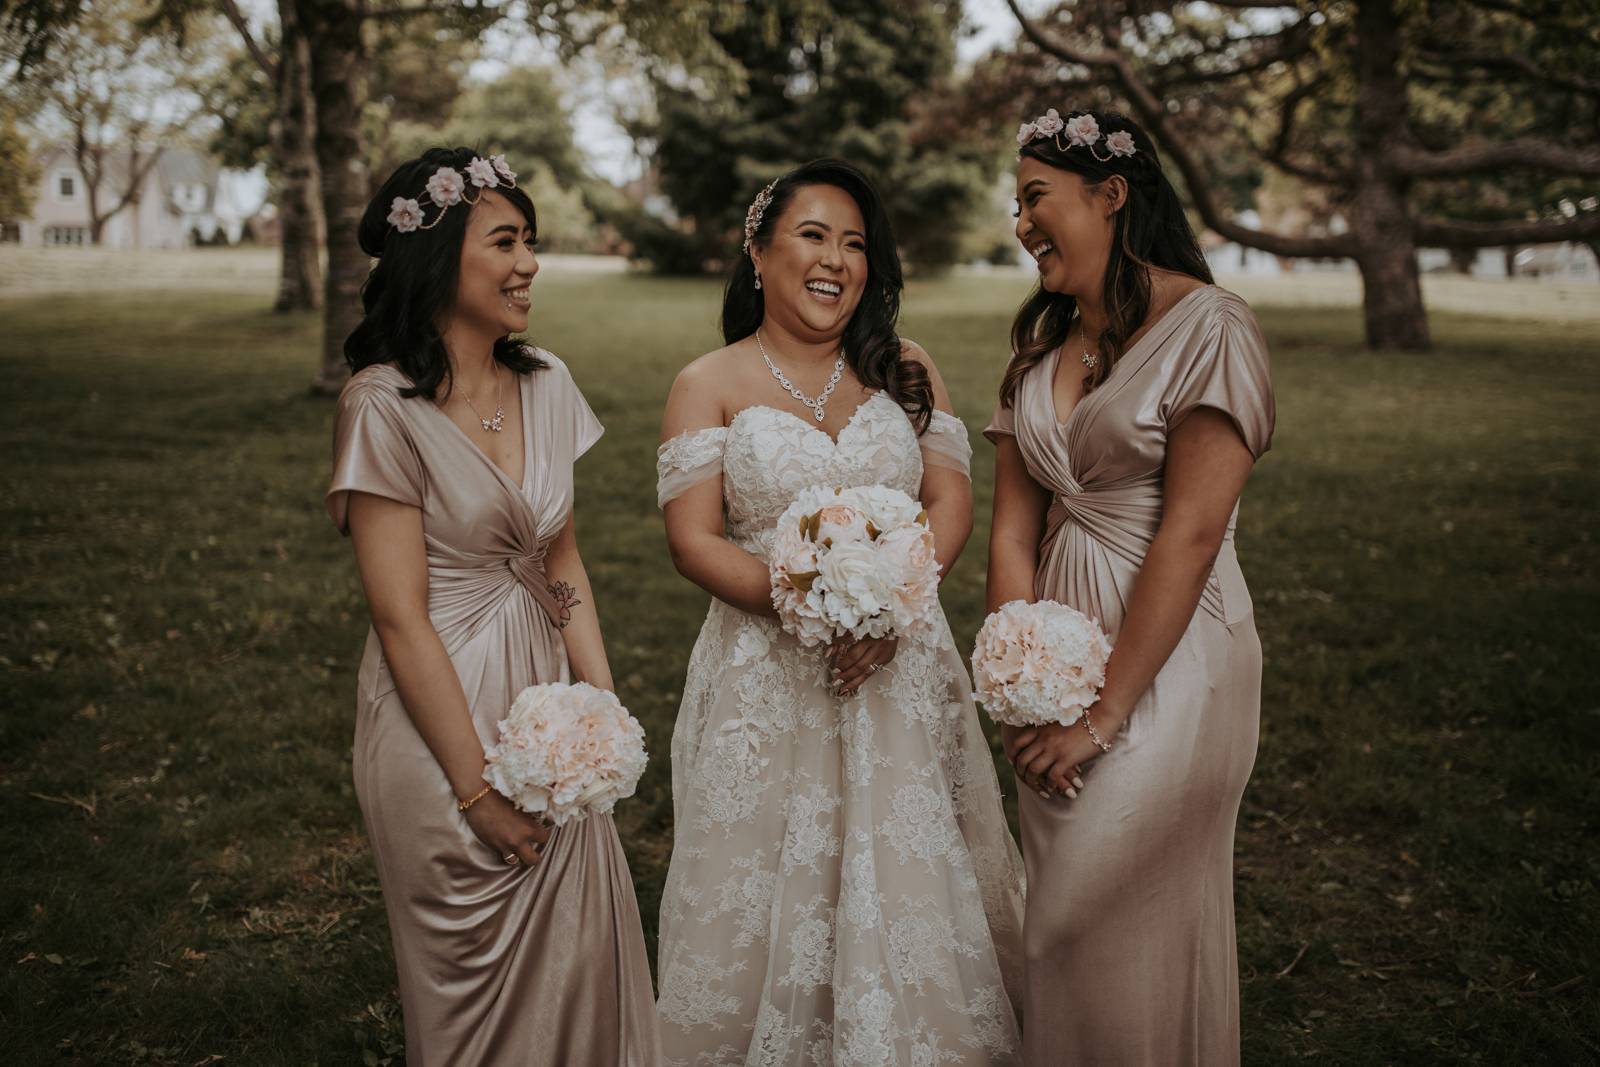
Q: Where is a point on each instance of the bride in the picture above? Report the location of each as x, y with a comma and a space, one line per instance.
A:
843, 888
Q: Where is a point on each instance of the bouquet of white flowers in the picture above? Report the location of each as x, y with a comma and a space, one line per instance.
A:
854, 563
1039, 663
566, 750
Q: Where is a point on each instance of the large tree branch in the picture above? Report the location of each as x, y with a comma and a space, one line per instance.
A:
1495, 61
1531, 152
1290, 43
1278, 154
1448, 234
230, 11
1153, 112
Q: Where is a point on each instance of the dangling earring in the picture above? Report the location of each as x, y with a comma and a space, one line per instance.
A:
758, 279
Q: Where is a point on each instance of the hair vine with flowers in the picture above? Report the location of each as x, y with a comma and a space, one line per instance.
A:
1080, 130
450, 186
758, 209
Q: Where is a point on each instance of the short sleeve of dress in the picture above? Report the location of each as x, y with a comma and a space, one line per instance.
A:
373, 451
945, 443
690, 458
575, 413
1227, 370
1003, 422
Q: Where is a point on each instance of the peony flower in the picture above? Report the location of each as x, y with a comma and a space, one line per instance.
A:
481, 171
1049, 123
405, 215
1120, 143
1026, 132
446, 186
853, 562
566, 750
1083, 129
502, 168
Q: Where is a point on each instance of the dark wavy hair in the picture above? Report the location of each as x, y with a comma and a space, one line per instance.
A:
411, 289
1149, 230
871, 345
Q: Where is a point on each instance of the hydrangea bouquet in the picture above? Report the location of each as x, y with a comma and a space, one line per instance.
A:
566, 750
855, 563
1039, 663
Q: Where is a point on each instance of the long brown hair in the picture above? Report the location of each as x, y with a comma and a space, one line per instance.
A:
1150, 230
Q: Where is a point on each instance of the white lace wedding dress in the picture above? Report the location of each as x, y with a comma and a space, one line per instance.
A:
843, 886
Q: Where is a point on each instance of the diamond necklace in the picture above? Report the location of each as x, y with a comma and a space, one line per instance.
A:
489, 425
822, 397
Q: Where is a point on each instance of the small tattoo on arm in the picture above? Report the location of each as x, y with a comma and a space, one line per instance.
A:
566, 600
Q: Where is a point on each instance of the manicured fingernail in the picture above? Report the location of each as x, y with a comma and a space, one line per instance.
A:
1077, 781
1045, 793
1072, 794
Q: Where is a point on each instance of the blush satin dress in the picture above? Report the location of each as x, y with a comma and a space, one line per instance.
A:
499, 965
1129, 931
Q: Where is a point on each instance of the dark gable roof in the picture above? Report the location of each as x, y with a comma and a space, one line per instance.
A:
177, 166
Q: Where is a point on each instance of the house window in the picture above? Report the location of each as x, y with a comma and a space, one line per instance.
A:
66, 186
66, 235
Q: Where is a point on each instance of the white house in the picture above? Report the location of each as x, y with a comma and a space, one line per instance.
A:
183, 198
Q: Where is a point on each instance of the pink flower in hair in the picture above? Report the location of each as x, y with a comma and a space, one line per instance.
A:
1049, 123
1083, 129
1026, 132
503, 168
405, 215
446, 186
1120, 143
481, 171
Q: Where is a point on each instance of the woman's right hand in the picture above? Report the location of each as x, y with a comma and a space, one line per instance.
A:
503, 828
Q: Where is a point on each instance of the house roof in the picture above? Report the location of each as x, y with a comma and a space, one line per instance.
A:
176, 166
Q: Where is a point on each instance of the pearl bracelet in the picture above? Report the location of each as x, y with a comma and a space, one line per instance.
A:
1094, 735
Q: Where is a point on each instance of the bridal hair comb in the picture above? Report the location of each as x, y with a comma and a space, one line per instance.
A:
450, 186
758, 208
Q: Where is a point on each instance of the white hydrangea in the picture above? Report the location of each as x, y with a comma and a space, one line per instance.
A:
1039, 663
566, 750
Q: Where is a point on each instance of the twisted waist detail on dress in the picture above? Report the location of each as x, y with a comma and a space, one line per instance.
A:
1123, 520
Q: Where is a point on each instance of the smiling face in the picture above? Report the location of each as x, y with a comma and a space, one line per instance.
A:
814, 267
1066, 225
497, 263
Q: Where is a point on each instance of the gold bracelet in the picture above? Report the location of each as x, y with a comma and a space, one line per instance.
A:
463, 805
1094, 735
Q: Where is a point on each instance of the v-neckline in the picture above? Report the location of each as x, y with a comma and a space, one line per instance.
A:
851, 421
522, 404
1055, 361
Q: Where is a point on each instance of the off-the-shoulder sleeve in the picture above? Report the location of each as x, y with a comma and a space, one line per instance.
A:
1227, 370
945, 443
1003, 422
687, 460
372, 450
576, 414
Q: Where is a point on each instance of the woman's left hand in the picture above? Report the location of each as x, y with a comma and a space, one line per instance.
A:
856, 661
1050, 761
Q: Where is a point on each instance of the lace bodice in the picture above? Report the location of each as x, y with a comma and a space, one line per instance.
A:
766, 456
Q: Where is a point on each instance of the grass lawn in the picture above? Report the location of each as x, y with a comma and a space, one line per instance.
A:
186, 880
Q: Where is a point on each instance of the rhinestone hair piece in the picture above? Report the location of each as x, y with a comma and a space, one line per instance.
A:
758, 208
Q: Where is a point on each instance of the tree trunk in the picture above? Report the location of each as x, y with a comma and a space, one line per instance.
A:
1511, 261
300, 274
1462, 259
339, 88
1381, 220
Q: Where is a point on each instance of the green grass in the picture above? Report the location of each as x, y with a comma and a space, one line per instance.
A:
186, 876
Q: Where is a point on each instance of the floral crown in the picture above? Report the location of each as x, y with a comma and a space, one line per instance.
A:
1081, 131
448, 186
758, 208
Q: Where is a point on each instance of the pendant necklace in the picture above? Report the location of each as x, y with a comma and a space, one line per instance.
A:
822, 397
489, 425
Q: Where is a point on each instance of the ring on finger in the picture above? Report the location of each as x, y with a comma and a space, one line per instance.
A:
875, 668
511, 859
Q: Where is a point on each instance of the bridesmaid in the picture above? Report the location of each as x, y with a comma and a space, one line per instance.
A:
517, 944
1135, 403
